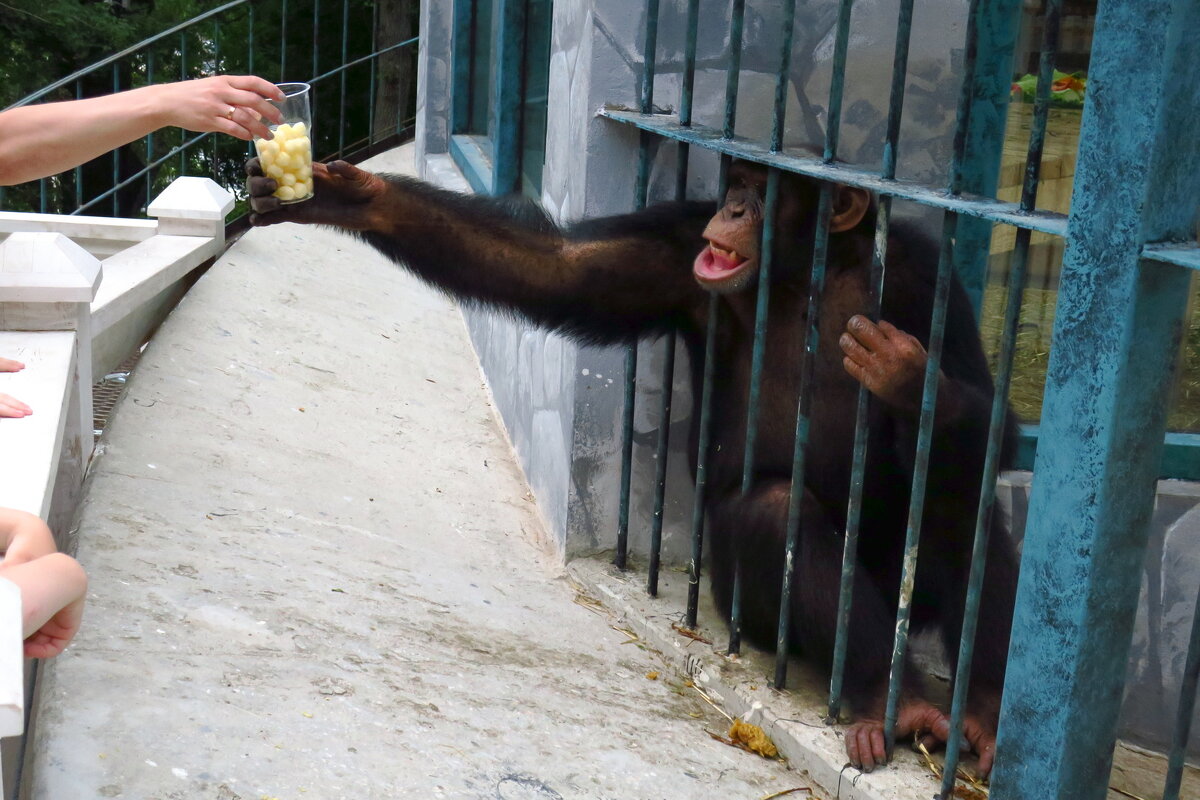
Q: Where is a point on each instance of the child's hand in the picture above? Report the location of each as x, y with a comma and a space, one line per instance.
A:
53, 637
23, 537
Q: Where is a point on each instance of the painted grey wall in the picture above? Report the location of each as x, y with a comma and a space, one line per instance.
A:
562, 403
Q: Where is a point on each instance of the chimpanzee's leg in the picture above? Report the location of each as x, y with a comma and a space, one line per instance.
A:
754, 529
948, 581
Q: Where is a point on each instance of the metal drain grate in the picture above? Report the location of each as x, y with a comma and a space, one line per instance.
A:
107, 391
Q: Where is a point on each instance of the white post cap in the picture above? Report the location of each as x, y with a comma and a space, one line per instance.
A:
46, 268
192, 198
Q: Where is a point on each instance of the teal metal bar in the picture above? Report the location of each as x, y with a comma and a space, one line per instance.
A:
217, 60
737, 17
182, 76
116, 153
316, 35
991, 467
761, 306
631, 358
685, 97
1183, 715
815, 167
650, 56
710, 343
149, 142
937, 330
374, 68
342, 78
816, 288
1116, 336
705, 423
883, 219
283, 38
250, 38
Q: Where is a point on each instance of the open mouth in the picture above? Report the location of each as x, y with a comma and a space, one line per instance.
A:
716, 264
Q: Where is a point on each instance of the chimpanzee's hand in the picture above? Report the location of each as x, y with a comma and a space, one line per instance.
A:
885, 359
343, 196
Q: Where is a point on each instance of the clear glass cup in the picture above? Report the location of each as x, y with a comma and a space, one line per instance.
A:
288, 157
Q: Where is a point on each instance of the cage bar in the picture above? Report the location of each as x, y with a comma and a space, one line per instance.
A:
646, 102
341, 149
316, 34
815, 291
116, 153
283, 20
991, 467
883, 216
149, 136
732, 81
937, 330
650, 54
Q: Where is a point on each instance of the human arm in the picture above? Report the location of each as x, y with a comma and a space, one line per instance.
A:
23, 537
53, 588
602, 280
48, 138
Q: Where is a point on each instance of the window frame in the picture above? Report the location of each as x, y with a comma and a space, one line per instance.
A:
490, 160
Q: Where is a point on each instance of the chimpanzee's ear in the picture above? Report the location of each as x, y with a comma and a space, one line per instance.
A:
849, 206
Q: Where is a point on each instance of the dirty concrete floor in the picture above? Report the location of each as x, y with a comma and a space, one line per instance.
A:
316, 573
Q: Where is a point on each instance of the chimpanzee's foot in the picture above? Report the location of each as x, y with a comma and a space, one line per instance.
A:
978, 736
865, 745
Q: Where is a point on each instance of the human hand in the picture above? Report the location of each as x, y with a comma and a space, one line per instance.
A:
232, 104
9, 365
12, 407
24, 537
54, 636
343, 196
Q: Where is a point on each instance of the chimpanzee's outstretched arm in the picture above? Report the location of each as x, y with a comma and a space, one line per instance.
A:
601, 280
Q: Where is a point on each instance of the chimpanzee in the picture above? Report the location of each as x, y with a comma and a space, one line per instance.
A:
619, 278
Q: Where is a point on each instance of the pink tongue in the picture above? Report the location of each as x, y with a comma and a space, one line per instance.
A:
710, 263
721, 262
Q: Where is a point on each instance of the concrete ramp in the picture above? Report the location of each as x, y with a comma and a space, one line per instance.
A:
316, 573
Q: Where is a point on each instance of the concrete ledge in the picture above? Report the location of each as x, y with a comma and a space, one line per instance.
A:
32, 445
793, 719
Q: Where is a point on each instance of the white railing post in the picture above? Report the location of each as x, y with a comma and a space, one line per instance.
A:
192, 207
47, 283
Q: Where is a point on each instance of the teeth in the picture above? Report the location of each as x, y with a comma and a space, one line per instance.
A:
732, 254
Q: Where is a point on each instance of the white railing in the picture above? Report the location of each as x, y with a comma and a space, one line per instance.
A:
77, 296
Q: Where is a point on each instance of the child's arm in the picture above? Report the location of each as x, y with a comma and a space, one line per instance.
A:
23, 537
52, 592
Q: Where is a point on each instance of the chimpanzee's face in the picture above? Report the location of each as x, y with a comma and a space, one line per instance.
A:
730, 261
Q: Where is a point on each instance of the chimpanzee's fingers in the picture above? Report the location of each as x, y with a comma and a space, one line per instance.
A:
889, 329
867, 333
254, 167
878, 746
852, 749
856, 370
261, 194
854, 349
344, 169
